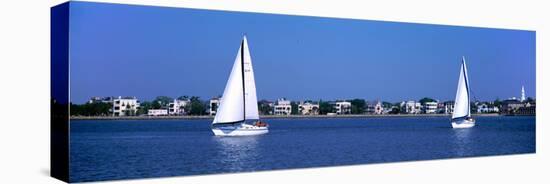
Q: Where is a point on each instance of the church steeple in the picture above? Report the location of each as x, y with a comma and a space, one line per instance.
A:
522, 94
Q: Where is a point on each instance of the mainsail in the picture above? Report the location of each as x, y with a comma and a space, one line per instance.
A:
239, 101
462, 100
251, 101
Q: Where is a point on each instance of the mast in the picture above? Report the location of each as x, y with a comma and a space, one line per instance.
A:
242, 79
467, 84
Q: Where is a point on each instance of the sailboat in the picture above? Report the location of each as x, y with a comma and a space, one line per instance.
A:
239, 105
462, 117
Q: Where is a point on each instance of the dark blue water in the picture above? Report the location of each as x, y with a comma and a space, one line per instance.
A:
124, 149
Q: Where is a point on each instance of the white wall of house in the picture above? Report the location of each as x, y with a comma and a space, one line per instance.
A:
125, 106
411, 107
430, 107
213, 105
157, 112
308, 108
177, 107
342, 107
282, 107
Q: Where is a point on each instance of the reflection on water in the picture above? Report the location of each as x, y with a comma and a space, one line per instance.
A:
462, 141
237, 153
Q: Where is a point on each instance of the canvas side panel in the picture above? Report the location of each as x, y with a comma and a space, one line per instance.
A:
59, 120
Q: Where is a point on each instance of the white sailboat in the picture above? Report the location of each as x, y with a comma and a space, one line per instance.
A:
462, 117
239, 103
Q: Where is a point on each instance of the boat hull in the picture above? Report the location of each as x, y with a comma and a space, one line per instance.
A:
239, 130
463, 123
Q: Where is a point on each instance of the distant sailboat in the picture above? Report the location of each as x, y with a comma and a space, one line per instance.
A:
239, 103
462, 117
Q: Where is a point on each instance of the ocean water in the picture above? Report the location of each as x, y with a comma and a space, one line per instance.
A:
128, 149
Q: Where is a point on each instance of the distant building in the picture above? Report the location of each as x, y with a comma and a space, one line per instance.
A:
342, 107
157, 112
126, 106
446, 107
529, 109
411, 107
516, 107
487, 108
430, 107
375, 107
213, 106
101, 99
177, 107
307, 108
265, 107
282, 107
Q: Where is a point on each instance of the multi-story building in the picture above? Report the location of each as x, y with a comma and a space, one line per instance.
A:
430, 107
307, 108
342, 107
375, 107
126, 106
213, 106
177, 107
411, 107
446, 107
157, 112
282, 107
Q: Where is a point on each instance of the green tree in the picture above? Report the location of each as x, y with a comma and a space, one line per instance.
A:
530, 100
264, 107
497, 102
163, 100
144, 107
91, 109
325, 107
294, 108
358, 106
184, 97
196, 107
396, 108
387, 105
426, 99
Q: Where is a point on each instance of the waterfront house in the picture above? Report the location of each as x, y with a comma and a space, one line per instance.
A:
126, 106
516, 107
308, 108
411, 107
157, 112
282, 107
342, 107
447, 107
213, 106
177, 107
430, 107
487, 107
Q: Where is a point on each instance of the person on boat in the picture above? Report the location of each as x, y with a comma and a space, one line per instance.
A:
260, 124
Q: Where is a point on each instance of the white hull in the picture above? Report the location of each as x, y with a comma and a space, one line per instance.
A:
463, 124
239, 130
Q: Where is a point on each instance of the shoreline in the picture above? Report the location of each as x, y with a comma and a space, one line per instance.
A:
271, 116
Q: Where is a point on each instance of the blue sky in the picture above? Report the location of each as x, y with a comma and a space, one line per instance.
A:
144, 51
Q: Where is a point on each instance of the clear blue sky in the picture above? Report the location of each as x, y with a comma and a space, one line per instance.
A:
143, 51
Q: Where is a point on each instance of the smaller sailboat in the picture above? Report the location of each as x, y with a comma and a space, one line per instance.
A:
239, 105
462, 118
